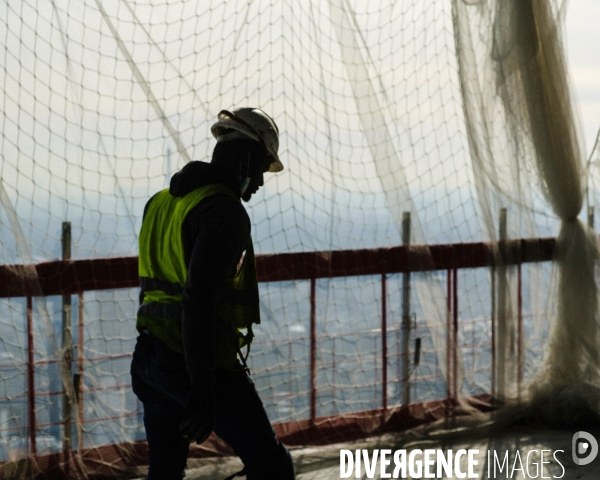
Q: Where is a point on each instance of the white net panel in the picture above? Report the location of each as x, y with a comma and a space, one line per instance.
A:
523, 137
431, 108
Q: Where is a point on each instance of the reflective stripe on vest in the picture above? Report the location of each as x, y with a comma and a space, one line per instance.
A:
242, 297
148, 284
163, 273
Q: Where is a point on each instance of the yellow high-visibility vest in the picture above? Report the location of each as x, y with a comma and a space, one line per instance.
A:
163, 272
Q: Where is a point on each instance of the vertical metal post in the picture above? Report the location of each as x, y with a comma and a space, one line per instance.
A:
67, 347
501, 314
455, 334
313, 351
31, 420
405, 353
493, 333
503, 227
384, 399
520, 342
333, 368
449, 368
80, 367
398, 363
591, 217
290, 376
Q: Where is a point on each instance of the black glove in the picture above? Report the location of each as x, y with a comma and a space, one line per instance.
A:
197, 423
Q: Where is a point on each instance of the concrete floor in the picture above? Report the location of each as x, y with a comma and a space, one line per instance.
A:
323, 463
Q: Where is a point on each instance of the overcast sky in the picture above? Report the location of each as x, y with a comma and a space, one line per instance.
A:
583, 49
113, 141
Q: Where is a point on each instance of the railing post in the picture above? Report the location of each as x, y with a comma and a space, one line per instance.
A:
455, 334
333, 368
384, 366
449, 357
452, 341
79, 387
406, 227
503, 333
313, 351
520, 342
67, 347
493, 335
31, 381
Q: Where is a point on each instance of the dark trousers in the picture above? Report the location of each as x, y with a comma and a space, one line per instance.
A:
160, 380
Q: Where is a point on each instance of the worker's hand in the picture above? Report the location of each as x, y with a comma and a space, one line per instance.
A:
196, 426
197, 423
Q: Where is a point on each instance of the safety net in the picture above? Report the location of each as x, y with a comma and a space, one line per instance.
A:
428, 250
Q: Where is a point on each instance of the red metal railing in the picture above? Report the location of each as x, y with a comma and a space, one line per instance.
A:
76, 276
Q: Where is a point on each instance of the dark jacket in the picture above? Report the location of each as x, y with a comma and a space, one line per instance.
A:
215, 234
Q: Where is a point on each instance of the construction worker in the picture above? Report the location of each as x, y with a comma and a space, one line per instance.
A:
198, 303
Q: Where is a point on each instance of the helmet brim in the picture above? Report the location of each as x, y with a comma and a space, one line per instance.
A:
226, 122
276, 166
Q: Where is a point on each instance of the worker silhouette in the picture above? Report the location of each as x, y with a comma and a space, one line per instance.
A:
198, 303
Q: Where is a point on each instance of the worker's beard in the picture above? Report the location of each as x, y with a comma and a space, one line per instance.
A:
253, 187
248, 195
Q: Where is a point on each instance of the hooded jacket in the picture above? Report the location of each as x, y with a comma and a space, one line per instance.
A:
214, 234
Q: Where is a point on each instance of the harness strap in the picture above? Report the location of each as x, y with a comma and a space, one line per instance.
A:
233, 337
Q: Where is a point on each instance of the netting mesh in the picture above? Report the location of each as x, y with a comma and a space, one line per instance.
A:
446, 110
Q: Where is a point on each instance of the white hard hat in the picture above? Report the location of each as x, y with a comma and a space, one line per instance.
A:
252, 123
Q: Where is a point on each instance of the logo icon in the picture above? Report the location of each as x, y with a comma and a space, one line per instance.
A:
585, 448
